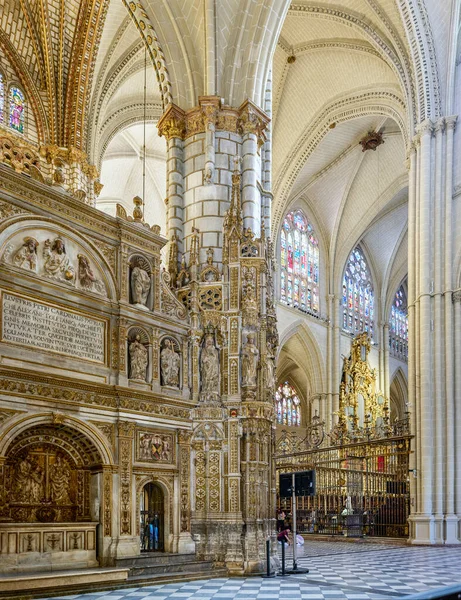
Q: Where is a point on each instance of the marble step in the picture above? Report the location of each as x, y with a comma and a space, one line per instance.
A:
85, 584
161, 558
203, 566
40, 584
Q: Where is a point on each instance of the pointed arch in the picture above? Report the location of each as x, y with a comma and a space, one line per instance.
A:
398, 394
308, 355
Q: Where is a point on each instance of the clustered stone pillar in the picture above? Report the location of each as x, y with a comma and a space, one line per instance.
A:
225, 265
432, 338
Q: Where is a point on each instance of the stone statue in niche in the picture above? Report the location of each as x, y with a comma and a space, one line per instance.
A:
57, 263
140, 285
26, 256
250, 355
60, 482
169, 364
86, 277
209, 370
269, 368
138, 359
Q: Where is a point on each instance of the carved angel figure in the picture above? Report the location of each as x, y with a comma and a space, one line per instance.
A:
26, 256
209, 367
169, 364
59, 482
57, 263
140, 285
250, 355
138, 359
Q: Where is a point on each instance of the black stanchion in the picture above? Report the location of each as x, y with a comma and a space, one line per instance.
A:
269, 573
282, 574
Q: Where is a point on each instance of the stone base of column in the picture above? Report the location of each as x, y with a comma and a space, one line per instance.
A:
452, 532
186, 544
422, 530
219, 540
128, 547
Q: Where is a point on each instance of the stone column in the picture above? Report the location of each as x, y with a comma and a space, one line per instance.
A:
128, 541
431, 343
385, 350
229, 266
186, 544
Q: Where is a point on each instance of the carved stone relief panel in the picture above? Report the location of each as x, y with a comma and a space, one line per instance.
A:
42, 483
155, 447
54, 255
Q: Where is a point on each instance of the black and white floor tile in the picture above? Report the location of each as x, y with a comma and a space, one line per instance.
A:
337, 571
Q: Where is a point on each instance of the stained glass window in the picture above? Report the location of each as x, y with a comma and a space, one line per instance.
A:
287, 406
299, 261
17, 109
2, 96
398, 325
358, 297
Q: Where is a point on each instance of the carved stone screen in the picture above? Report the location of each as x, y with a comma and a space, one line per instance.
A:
51, 328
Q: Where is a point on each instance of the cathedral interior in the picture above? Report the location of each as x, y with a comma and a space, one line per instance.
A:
230, 249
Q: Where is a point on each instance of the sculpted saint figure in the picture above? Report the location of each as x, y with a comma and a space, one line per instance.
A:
59, 482
23, 488
138, 359
57, 263
140, 285
209, 368
36, 482
86, 277
269, 365
250, 355
26, 256
169, 364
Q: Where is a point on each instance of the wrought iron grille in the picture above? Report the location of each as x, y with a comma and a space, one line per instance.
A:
362, 485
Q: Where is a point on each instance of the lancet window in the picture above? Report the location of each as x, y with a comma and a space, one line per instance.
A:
299, 262
12, 105
17, 109
398, 325
358, 295
287, 406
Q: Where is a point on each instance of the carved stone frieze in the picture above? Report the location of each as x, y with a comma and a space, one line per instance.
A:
33, 386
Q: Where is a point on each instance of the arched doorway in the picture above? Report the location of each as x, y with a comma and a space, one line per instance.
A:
151, 517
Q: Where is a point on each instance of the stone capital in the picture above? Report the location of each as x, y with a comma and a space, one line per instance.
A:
450, 122
426, 127
172, 123
456, 296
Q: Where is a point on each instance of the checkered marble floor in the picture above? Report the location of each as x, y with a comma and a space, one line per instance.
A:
337, 571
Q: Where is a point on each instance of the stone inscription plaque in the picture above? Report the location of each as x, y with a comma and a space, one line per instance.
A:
38, 325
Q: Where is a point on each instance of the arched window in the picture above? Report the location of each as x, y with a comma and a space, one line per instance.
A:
17, 109
398, 325
287, 406
2, 96
358, 296
299, 262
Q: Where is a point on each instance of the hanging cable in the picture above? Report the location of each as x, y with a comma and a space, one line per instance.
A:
144, 137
